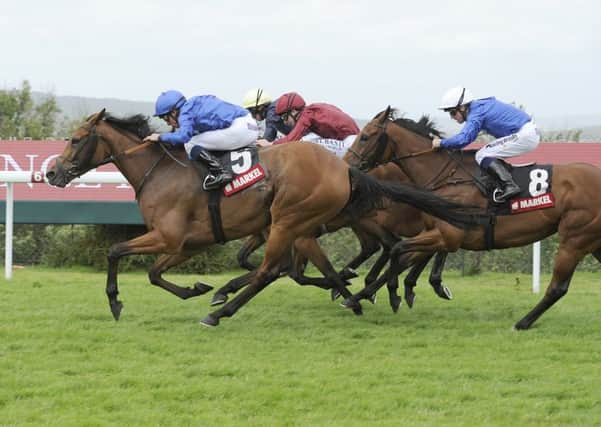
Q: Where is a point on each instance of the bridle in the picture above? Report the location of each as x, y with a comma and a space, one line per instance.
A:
91, 142
369, 160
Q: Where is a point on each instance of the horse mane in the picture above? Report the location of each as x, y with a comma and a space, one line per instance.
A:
136, 124
424, 127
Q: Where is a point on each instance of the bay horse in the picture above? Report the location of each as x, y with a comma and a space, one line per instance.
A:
381, 228
576, 216
304, 188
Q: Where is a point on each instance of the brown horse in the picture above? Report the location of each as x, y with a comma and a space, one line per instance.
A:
381, 228
305, 187
576, 215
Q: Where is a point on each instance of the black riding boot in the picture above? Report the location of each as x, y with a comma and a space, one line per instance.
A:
509, 188
217, 176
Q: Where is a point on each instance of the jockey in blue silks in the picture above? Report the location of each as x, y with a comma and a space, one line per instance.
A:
204, 123
514, 130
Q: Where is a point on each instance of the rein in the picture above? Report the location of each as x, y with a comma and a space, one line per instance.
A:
112, 158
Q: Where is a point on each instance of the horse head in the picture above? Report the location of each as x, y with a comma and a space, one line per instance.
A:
82, 153
371, 147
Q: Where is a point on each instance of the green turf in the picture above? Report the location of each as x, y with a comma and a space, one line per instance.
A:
292, 357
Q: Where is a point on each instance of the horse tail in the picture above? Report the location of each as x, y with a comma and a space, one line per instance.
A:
367, 194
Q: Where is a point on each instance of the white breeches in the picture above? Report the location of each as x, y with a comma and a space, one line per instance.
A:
242, 132
336, 146
524, 140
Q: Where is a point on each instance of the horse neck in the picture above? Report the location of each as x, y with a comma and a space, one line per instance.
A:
420, 168
134, 166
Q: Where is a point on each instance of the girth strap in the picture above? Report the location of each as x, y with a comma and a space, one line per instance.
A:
215, 214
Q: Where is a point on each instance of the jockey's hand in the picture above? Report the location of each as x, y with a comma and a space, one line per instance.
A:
153, 137
263, 143
436, 143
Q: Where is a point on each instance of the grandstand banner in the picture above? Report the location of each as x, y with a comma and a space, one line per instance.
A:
37, 157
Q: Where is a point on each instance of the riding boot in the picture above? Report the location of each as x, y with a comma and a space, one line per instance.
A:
509, 188
217, 174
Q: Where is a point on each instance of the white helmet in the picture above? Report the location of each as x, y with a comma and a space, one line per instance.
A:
455, 97
255, 97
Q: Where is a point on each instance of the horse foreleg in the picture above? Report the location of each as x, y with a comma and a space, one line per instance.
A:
147, 243
411, 277
310, 248
565, 264
233, 286
164, 263
250, 245
369, 246
436, 276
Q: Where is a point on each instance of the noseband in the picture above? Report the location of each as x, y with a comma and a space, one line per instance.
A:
368, 161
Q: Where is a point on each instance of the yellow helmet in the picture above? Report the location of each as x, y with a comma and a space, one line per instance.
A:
255, 97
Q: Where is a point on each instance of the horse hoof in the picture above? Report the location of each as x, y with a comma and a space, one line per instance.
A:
202, 288
348, 273
358, 310
521, 326
395, 304
334, 294
116, 308
373, 298
447, 294
218, 299
209, 321
410, 300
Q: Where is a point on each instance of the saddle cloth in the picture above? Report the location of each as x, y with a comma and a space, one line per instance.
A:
535, 182
244, 165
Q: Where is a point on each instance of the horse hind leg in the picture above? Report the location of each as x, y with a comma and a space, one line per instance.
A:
278, 243
164, 263
565, 264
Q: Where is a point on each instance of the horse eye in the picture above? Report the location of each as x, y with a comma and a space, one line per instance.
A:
364, 137
75, 141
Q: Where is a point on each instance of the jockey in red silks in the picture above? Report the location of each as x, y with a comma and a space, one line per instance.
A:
320, 123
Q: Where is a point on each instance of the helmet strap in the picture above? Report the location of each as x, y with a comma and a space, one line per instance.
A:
259, 95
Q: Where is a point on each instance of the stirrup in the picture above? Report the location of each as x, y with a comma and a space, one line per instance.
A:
214, 182
210, 183
498, 195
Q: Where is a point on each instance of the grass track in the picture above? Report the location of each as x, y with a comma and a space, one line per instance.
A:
291, 357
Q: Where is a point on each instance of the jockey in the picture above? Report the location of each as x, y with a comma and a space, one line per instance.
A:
514, 130
204, 123
262, 107
320, 123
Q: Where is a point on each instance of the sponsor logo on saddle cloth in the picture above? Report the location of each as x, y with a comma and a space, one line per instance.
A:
245, 166
535, 182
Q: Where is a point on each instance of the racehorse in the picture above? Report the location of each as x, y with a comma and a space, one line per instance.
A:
380, 228
304, 188
576, 215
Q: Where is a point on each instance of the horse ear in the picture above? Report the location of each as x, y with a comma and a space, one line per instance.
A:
386, 114
99, 116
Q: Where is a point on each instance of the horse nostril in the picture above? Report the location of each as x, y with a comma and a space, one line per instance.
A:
50, 174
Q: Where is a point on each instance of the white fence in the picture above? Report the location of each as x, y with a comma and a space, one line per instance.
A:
27, 177
11, 178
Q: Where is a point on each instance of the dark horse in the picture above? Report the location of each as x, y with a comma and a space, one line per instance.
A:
576, 216
305, 187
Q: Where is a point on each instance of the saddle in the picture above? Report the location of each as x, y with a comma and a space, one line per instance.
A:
244, 166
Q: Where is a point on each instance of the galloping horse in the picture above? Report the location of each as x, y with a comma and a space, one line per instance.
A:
304, 188
383, 228
576, 216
